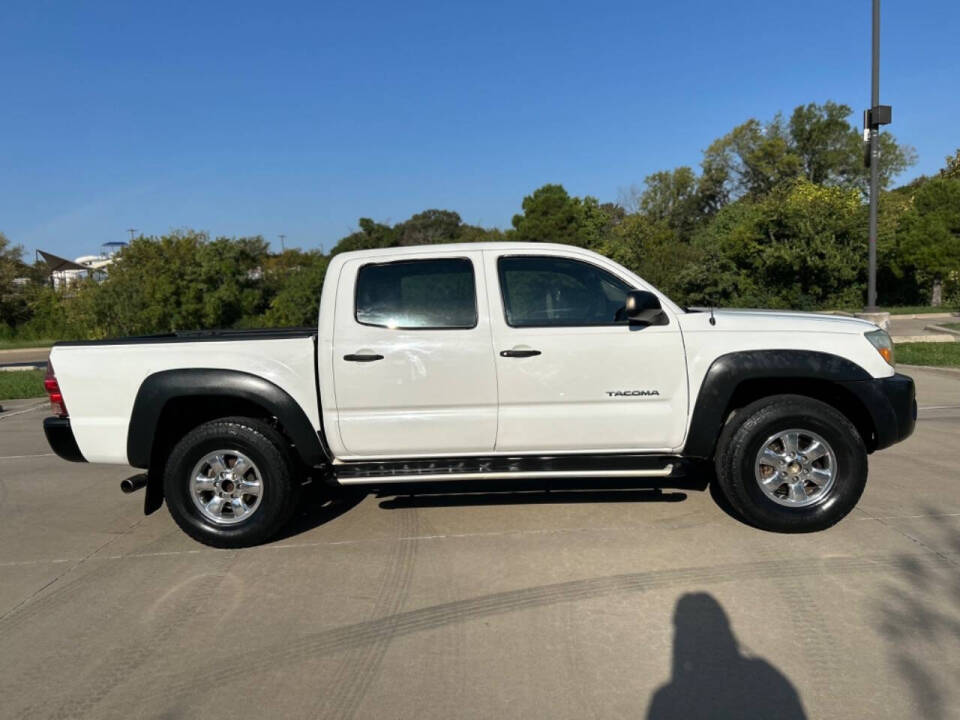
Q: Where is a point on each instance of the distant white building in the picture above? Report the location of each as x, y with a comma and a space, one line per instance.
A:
64, 273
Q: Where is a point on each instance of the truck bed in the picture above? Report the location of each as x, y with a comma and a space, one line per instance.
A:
100, 411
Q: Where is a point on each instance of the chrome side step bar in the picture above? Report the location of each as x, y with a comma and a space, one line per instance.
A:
504, 475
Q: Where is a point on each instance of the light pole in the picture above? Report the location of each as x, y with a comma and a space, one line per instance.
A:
282, 238
873, 118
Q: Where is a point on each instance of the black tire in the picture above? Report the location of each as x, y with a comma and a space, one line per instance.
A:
742, 439
273, 458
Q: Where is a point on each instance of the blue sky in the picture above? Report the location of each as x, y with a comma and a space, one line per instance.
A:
299, 118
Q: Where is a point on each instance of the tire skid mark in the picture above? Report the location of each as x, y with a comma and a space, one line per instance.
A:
163, 627
63, 592
810, 626
442, 663
813, 628
3, 493
573, 651
348, 637
61, 598
356, 673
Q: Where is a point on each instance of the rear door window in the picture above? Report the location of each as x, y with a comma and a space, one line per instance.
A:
436, 294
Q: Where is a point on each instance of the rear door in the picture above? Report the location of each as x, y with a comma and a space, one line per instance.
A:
573, 374
413, 363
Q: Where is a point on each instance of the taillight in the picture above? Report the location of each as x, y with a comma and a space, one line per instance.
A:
52, 387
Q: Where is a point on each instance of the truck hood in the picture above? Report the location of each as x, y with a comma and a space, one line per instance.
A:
732, 319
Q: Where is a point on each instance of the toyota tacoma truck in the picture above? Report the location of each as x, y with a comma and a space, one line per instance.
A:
476, 362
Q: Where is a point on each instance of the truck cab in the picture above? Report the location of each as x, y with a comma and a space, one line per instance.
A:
472, 350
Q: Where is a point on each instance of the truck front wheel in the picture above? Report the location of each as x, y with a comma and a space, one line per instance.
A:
230, 482
790, 463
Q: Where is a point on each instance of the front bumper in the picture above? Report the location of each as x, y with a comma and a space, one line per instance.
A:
60, 436
892, 405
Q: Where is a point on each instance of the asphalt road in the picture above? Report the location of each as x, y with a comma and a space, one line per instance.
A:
917, 326
24, 356
593, 605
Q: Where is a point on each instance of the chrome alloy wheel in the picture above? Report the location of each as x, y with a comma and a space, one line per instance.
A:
796, 468
226, 486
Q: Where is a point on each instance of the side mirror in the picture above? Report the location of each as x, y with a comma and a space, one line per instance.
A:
644, 307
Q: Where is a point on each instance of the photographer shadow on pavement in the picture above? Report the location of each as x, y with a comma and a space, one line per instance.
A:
712, 679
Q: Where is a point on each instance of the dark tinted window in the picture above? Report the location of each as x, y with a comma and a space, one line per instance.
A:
553, 291
417, 294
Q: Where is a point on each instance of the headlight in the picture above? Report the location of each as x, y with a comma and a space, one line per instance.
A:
880, 339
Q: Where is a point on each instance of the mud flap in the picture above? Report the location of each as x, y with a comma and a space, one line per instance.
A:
153, 499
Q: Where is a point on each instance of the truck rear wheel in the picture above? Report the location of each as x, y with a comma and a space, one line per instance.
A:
230, 482
790, 463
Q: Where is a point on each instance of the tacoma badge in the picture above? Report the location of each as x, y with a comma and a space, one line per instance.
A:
632, 393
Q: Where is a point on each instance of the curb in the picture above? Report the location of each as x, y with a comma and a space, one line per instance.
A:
39, 350
926, 316
942, 329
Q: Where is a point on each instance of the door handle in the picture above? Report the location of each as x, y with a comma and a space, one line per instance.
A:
519, 353
362, 357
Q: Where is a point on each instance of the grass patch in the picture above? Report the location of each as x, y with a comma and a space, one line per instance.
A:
938, 354
918, 310
21, 384
14, 344
908, 309
951, 326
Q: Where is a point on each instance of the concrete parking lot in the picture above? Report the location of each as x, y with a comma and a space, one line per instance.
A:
564, 605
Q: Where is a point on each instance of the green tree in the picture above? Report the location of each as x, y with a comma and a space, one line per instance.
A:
298, 298
425, 228
671, 197
818, 143
475, 233
828, 147
13, 302
751, 160
800, 247
832, 149
930, 234
897, 282
952, 167
430, 227
550, 214
371, 235
179, 281
652, 249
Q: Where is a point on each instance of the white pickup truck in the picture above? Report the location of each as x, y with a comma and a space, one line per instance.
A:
477, 362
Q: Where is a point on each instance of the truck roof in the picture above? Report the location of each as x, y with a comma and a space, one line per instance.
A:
463, 247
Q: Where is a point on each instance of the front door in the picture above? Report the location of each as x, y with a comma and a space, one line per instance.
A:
413, 365
573, 374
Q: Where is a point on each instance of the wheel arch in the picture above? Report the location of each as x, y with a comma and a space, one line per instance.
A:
170, 403
736, 379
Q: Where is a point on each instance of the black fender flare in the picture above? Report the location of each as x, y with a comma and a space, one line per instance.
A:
160, 388
730, 370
